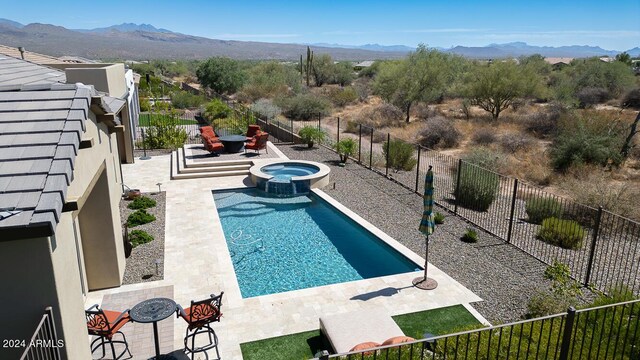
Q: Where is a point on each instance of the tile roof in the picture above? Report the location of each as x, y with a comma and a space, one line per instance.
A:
19, 72
40, 133
35, 58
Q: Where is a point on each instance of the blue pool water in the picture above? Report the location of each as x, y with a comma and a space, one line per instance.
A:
284, 244
289, 170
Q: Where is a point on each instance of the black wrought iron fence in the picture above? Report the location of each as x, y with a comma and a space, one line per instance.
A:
44, 344
601, 248
604, 332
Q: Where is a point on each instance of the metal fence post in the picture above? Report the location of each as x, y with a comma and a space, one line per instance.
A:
566, 333
513, 209
319, 121
455, 192
144, 144
594, 240
388, 148
291, 123
360, 143
418, 168
338, 132
371, 149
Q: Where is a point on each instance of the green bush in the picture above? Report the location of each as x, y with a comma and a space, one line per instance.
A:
438, 218
145, 105
471, 236
567, 234
216, 109
305, 106
139, 237
540, 208
548, 303
311, 134
342, 97
478, 187
346, 147
142, 202
139, 217
487, 158
400, 155
164, 132
186, 100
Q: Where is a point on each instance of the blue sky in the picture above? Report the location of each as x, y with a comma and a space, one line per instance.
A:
613, 25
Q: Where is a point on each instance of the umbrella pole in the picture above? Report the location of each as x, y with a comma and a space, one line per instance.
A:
425, 283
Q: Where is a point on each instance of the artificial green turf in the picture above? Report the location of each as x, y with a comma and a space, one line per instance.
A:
289, 347
440, 321
306, 344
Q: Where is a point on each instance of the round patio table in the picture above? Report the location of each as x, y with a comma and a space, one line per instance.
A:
233, 143
152, 311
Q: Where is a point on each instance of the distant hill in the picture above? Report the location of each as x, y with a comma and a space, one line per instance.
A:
11, 23
134, 42
635, 52
516, 49
371, 47
127, 27
145, 42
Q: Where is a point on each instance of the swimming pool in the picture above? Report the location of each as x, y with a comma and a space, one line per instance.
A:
284, 244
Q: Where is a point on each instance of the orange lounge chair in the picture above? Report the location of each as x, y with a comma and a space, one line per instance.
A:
258, 143
199, 316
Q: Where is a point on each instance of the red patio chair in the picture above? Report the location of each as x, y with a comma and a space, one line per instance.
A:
199, 316
252, 131
258, 143
105, 324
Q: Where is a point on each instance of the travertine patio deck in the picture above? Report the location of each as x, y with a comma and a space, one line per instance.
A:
197, 263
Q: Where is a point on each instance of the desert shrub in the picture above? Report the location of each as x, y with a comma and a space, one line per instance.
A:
341, 97
632, 99
438, 218
139, 237
470, 236
590, 96
305, 106
362, 86
186, 100
216, 109
514, 141
567, 234
164, 132
543, 124
477, 187
266, 108
400, 155
139, 217
540, 208
423, 111
439, 133
562, 294
142, 202
386, 114
583, 144
547, 303
484, 136
465, 107
487, 158
352, 127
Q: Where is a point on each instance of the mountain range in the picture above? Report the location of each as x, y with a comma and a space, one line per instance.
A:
144, 42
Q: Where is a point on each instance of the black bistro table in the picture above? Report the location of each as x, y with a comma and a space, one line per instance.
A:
152, 311
233, 143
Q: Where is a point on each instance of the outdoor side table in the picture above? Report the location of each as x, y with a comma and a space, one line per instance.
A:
233, 143
152, 311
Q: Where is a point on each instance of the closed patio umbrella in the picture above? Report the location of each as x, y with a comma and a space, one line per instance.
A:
427, 226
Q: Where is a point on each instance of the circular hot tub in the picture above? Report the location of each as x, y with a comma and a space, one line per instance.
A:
291, 177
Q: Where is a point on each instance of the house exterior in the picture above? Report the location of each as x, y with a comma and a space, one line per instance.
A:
113, 79
60, 187
558, 63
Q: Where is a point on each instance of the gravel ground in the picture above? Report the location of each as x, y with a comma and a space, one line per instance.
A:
504, 276
141, 264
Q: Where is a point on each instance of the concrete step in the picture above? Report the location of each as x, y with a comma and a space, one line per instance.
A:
178, 171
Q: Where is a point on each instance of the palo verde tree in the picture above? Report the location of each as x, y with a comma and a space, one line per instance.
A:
221, 74
495, 86
421, 77
323, 69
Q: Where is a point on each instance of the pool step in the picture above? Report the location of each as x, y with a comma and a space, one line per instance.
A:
180, 171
